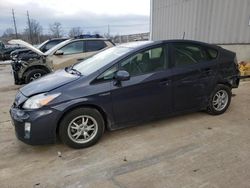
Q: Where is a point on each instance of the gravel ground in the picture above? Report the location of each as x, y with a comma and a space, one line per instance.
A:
190, 151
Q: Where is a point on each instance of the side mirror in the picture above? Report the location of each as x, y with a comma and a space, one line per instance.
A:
122, 75
59, 52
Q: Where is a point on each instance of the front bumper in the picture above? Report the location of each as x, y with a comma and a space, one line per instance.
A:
15, 68
43, 123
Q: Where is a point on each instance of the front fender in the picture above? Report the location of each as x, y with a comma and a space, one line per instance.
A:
105, 110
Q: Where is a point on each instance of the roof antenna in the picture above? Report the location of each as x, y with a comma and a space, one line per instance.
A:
183, 37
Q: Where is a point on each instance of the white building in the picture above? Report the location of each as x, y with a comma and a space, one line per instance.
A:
223, 22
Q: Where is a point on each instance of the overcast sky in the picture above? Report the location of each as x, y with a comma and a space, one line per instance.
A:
123, 16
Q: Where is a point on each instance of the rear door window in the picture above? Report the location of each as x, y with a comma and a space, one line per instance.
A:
92, 46
187, 54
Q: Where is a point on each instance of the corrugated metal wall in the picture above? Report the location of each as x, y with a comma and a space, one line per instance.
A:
213, 21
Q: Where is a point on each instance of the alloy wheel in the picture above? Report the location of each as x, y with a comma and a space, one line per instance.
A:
35, 76
82, 129
220, 100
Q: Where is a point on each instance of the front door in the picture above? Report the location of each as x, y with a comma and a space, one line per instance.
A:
148, 93
72, 53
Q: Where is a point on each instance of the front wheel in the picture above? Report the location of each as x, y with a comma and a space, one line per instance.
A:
219, 100
34, 74
81, 128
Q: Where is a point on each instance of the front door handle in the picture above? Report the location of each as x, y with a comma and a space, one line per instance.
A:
165, 82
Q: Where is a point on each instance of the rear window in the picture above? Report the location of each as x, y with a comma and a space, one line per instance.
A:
93, 45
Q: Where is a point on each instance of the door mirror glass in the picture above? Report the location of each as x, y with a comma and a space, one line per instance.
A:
122, 75
59, 52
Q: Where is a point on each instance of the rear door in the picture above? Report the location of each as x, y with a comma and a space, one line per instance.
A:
194, 75
72, 52
93, 46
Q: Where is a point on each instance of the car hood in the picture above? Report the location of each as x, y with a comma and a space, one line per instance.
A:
48, 83
27, 45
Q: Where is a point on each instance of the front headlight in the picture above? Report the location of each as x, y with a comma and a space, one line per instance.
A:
40, 100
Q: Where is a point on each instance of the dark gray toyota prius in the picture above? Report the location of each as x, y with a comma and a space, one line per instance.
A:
125, 84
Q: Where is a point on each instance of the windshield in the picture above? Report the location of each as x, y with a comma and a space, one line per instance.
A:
40, 45
56, 47
101, 59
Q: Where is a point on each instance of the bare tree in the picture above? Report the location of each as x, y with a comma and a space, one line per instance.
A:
33, 33
8, 34
56, 29
75, 31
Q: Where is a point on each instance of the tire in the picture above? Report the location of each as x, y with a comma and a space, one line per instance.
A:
219, 100
75, 124
34, 74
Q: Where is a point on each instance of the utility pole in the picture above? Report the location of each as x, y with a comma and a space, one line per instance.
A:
108, 32
29, 27
14, 21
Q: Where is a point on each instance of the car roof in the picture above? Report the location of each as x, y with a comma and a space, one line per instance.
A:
86, 39
136, 44
59, 38
143, 44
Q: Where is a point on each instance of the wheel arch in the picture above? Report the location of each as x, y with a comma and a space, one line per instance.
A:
36, 67
93, 106
226, 83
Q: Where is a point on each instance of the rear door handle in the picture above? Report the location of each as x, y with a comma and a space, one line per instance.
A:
207, 71
81, 59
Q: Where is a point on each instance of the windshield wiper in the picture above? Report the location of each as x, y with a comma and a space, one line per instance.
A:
71, 70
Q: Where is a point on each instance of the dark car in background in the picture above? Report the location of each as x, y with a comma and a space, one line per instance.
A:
25, 54
5, 51
122, 85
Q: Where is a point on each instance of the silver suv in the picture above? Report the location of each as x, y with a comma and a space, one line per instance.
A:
62, 55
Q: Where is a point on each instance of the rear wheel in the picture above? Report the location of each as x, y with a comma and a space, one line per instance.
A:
81, 128
219, 100
34, 74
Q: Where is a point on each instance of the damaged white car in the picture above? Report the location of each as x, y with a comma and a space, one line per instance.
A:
60, 56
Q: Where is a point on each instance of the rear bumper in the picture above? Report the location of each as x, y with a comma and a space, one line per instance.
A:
235, 81
42, 125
